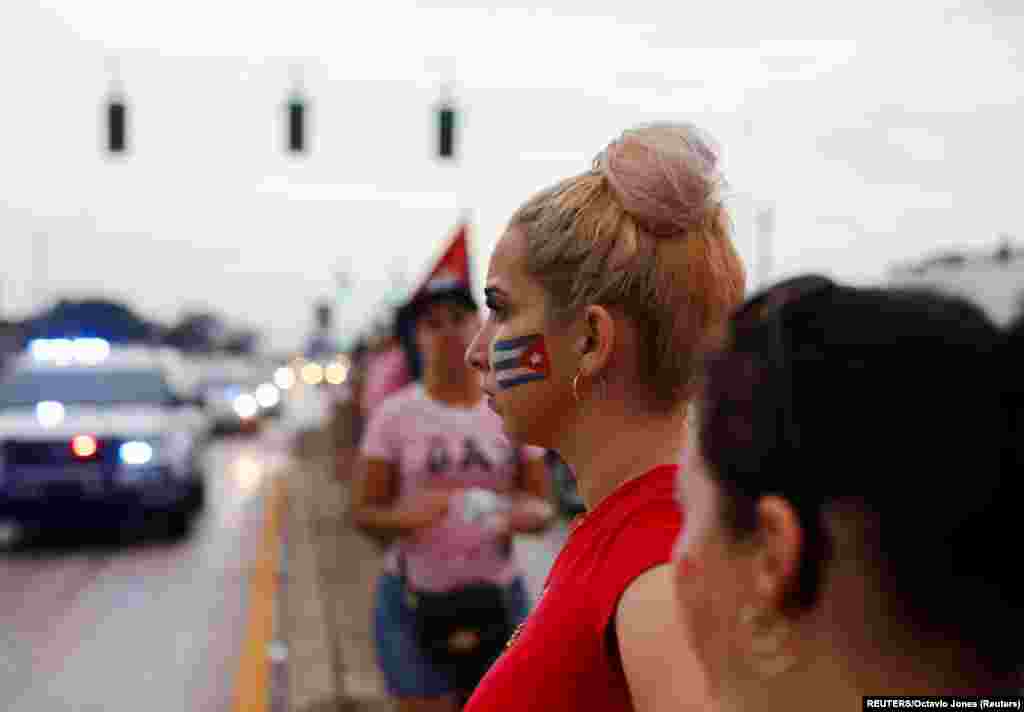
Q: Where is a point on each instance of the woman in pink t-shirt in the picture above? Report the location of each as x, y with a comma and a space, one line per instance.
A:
424, 449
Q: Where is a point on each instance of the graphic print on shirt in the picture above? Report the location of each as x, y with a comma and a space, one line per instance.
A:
438, 461
505, 453
523, 359
473, 456
441, 461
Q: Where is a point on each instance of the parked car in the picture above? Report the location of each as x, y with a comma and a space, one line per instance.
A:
230, 397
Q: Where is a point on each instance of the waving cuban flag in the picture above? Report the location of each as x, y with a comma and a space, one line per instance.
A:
520, 360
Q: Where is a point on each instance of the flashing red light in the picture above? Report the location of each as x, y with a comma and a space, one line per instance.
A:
83, 446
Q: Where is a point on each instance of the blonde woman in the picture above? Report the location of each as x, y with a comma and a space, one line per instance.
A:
603, 292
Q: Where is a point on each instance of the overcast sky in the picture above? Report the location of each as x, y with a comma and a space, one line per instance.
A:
878, 131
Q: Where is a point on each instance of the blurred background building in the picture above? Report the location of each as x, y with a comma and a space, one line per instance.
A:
992, 278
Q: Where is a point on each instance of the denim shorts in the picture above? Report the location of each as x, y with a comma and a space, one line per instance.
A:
407, 670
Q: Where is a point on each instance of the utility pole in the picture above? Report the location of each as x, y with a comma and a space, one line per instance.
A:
399, 279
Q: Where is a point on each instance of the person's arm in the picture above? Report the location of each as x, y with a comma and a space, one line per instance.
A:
661, 668
531, 511
374, 512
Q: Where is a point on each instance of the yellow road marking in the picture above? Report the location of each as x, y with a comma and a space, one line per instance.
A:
252, 684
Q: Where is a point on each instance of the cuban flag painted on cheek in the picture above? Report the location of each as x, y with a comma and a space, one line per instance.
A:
520, 360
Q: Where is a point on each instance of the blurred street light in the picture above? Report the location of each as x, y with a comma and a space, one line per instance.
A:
246, 406
312, 374
343, 280
284, 377
336, 373
267, 395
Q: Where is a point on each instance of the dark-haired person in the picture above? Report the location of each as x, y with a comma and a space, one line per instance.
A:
425, 447
603, 290
853, 502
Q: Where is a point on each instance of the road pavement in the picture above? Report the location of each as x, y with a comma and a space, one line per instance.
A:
149, 624
141, 624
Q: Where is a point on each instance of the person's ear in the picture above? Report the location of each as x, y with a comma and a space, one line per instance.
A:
596, 341
779, 548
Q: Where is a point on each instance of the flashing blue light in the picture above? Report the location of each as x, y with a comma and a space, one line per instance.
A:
89, 351
135, 452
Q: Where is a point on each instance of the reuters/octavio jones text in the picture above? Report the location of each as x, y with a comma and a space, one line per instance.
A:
948, 703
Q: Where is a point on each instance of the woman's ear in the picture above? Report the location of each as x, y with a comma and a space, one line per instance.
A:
780, 546
597, 340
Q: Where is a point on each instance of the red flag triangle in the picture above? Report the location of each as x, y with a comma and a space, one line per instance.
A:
452, 270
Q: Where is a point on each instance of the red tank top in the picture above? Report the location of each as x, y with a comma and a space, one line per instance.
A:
560, 660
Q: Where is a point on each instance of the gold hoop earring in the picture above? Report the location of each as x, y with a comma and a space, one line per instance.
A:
575, 387
769, 633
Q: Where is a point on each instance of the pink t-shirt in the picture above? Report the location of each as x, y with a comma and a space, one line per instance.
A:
436, 445
386, 374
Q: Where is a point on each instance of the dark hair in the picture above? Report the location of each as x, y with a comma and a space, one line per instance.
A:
409, 314
905, 405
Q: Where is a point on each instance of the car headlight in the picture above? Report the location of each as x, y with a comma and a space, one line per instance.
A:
268, 395
136, 452
246, 406
140, 460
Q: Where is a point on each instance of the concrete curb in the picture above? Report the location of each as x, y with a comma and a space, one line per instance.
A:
312, 680
332, 578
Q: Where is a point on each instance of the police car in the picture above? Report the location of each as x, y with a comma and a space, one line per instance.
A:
92, 435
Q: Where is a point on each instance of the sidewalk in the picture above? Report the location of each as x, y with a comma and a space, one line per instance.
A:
332, 571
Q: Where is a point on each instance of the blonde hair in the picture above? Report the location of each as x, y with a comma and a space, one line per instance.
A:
644, 230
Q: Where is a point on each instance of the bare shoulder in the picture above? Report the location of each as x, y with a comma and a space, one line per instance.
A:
662, 671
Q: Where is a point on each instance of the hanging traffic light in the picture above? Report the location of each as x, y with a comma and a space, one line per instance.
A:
115, 111
296, 119
117, 124
446, 130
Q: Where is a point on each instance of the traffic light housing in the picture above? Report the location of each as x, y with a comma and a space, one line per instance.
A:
446, 131
296, 117
117, 125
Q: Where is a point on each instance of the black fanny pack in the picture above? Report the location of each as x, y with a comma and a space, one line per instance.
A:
466, 628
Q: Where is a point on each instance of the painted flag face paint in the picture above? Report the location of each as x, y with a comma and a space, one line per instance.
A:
520, 360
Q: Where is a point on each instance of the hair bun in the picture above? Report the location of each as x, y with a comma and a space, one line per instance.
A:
665, 175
